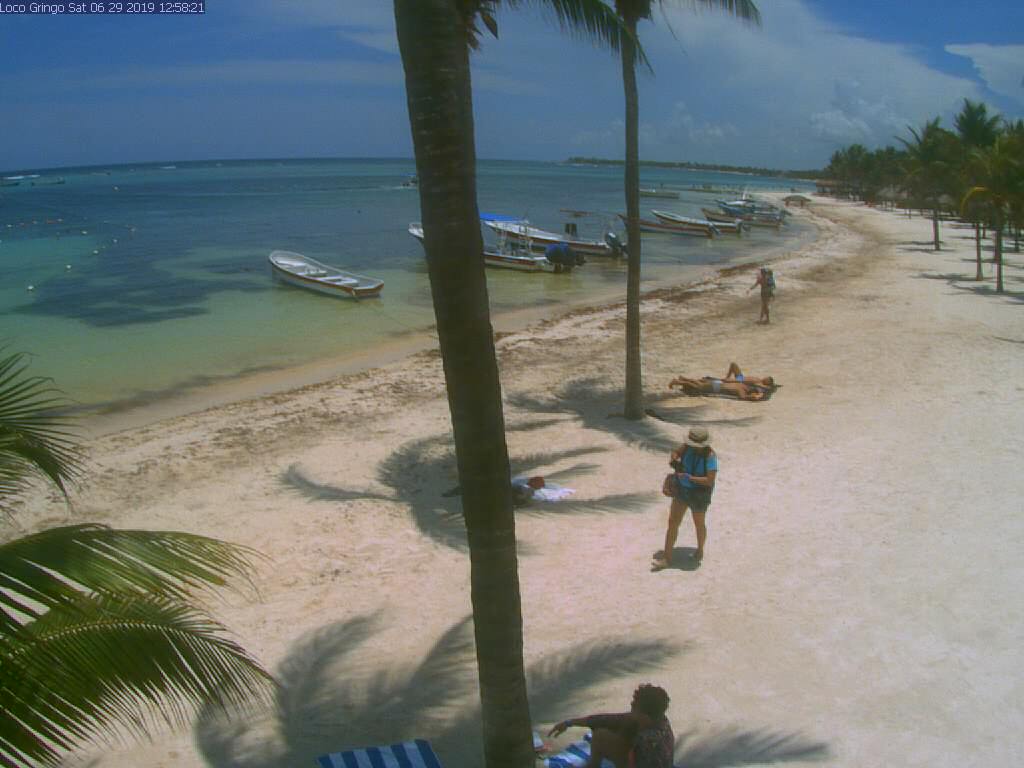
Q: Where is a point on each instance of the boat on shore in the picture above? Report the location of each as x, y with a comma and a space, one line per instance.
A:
518, 256
304, 272
519, 230
668, 227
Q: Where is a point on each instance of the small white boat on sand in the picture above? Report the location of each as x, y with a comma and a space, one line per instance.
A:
304, 272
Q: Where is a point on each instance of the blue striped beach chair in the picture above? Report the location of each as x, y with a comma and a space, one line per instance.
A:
575, 755
409, 754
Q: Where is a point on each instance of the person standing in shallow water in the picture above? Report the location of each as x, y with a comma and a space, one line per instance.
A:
765, 279
695, 468
640, 738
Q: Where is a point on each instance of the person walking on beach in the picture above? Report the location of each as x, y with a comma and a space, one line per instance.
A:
640, 738
765, 279
695, 468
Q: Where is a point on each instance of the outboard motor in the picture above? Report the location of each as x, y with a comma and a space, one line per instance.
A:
618, 249
563, 256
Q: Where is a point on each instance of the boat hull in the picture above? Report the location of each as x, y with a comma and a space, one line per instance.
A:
669, 227
303, 272
539, 239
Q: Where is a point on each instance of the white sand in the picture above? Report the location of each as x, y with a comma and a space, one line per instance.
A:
859, 602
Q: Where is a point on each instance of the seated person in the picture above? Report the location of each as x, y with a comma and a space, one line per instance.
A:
640, 738
710, 386
735, 374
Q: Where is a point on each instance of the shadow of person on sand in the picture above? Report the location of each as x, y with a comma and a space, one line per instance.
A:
421, 475
735, 746
682, 559
327, 700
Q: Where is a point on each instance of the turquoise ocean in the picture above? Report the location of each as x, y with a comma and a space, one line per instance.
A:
132, 283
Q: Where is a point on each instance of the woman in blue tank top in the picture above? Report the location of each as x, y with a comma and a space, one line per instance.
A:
695, 468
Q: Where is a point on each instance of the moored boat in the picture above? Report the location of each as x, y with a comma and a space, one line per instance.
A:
668, 227
515, 255
304, 272
659, 192
520, 231
687, 221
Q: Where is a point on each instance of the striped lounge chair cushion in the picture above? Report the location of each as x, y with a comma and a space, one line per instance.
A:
409, 754
573, 756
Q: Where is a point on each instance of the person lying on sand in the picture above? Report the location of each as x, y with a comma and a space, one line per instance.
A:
710, 386
641, 738
735, 374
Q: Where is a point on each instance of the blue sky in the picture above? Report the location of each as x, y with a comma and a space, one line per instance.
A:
313, 78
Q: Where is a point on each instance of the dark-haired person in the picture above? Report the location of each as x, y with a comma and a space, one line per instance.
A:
640, 738
696, 468
766, 280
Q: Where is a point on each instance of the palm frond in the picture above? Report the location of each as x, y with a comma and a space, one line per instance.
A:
741, 9
51, 568
591, 19
115, 661
34, 437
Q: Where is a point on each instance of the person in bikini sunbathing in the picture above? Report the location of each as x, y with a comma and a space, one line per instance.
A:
735, 374
711, 386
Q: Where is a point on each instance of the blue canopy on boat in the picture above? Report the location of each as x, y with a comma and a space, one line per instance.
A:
499, 217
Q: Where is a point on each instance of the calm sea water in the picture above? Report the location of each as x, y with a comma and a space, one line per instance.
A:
149, 279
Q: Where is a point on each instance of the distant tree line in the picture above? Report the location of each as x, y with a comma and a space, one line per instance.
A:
974, 172
752, 170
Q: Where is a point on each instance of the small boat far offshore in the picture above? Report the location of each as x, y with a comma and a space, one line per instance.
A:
304, 272
659, 192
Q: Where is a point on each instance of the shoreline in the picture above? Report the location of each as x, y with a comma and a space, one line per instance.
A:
865, 521
147, 409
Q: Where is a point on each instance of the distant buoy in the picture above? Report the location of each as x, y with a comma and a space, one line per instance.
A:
95, 252
67, 266
115, 239
85, 231
31, 287
116, 189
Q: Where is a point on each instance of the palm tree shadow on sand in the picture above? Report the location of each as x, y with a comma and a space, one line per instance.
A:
327, 700
421, 474
600, 408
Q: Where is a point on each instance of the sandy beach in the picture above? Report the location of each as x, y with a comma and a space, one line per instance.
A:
859, 600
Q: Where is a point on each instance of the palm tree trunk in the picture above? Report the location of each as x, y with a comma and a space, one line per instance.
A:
977, 250
435, 54
998, 240
634, 407
935, 226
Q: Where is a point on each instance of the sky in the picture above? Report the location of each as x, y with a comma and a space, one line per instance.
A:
323, 78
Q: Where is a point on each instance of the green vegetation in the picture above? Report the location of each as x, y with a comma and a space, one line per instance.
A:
976, 172
101, 631
687, 166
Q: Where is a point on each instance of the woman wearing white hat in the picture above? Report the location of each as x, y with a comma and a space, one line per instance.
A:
691, 486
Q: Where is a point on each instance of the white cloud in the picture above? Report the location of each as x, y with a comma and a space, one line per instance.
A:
1000, 66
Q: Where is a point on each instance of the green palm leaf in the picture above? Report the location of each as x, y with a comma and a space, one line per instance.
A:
50, 569
591, 19
34, 436
75, 673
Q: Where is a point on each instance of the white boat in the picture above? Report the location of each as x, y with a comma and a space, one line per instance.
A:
666, 193
512, 254
539, 239
304, 272
672, 227
687, 221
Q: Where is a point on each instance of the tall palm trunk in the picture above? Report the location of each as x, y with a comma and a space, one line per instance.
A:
634, 407
977, 250
998, 240
435, 54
